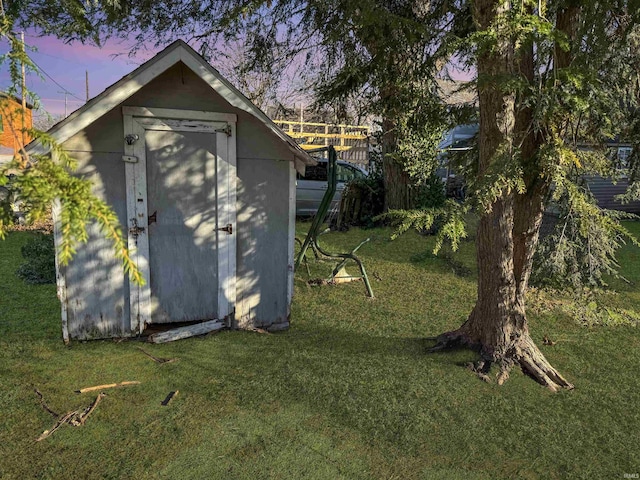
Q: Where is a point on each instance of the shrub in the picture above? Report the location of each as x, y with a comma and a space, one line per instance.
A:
362, 199
430, 193
39, 265
6, 212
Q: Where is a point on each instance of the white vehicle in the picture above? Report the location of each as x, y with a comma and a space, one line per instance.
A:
311, 187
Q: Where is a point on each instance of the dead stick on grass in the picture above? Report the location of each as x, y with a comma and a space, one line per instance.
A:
108, 385
75, 418
44, 405
89, 410
61, 421
158, 359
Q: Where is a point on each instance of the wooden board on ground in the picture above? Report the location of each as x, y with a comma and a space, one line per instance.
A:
186, 332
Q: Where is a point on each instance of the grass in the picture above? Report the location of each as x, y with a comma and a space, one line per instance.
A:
347, 392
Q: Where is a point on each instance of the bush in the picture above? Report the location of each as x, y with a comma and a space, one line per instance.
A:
430, 193
362, 199
39, 265
6, 212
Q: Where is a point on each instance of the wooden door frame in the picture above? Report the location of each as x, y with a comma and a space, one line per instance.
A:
136, 121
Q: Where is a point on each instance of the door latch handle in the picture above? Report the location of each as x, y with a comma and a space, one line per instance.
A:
228, 229
135, 230
152, 218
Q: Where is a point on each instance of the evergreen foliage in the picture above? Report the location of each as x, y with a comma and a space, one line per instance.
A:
580, 252
431, 193
39, 180
450, 218
388, 55
6, 203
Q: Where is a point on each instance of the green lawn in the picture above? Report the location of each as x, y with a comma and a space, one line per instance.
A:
347, 392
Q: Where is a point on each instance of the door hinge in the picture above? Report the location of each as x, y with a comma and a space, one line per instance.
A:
226, 129
228, 229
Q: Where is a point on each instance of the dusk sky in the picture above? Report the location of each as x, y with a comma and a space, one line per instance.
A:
66, 64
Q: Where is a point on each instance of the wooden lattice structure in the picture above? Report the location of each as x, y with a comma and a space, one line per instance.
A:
351, 141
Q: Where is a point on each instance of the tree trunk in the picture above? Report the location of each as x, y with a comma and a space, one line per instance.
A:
528, 206
508, 230
398, 192
399, 188
567, 22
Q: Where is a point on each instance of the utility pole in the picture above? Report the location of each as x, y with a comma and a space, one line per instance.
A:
301, 115
86, 82
65, 102
24, 93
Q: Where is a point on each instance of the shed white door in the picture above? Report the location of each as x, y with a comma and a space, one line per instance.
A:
181, 205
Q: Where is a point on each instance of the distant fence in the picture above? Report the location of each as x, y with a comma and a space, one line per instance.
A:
350, 141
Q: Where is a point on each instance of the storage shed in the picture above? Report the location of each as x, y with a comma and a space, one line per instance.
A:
202, 182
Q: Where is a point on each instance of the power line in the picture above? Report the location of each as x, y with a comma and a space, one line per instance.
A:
53, 80
57, 58
58, 100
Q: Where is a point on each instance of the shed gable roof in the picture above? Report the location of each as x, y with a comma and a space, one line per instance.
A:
128, 85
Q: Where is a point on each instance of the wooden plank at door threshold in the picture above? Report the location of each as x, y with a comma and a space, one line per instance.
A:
186, 332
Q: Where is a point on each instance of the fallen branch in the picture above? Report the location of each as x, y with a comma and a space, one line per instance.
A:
89, 410
159, 360
108, 385
44, 405
75, 418
61, 421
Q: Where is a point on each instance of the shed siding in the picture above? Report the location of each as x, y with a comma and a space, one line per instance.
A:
97, 289
263, 224
96, 285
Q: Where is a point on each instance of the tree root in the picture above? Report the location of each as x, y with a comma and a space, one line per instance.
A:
522, 352
450, 340
481, 369
534, 363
